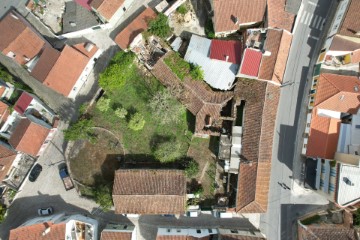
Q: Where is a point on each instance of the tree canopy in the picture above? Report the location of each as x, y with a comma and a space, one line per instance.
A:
168, 151
137, 122
103, 104
82, 129
102, 195
159, 26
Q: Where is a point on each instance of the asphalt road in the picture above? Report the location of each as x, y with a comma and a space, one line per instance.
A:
285, 206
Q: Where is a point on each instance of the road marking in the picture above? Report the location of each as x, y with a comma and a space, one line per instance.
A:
303, 17
316, 38
315, 19
322, 24
311, 3
318, 23
307, 18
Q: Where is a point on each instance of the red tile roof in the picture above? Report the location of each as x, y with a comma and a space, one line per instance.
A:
251, 62
4, 112
46, 62
84, 3
35, 232
17, 37
113, 235
225, 12
229, 51
7, 157
23, 103
6, 151
28, 137
351, 22
67, 69
326, 231
323, 136
355, 56
261, 101
107, 8
138, 25
149, 191
341, 43
278, 17
181, 237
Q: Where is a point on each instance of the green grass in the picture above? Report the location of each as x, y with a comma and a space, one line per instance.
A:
134, 97
182, 68
183, 9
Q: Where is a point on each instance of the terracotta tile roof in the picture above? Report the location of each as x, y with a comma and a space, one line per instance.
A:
17, 37
149, 191
107, 8
225, 12
251, 62
323, 136
197, 97
4, 112
351, 22
23, 103
84, 3
113, 235
278, 17
282, 57
46, 62
138, 25
258, 130
331, 84
28, 137
5, 165
35, 232
67, 70
222, 50
355, 57
88, 49
326, 231
6, 151
239, 237
180, 237
341, 43
344, 102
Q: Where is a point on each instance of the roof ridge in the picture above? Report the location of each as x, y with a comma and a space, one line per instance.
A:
327, 74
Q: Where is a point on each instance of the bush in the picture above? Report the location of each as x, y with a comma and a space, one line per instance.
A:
182, 9
168, 151
2, 213
83, 129
103, 197
357, 217
209, 29
120, 69
121, 112
191, 169
159, 26
103, 104
178, 65
196, 72
137, 122
5, 75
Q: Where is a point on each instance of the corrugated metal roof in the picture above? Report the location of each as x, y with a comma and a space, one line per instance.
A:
218, 74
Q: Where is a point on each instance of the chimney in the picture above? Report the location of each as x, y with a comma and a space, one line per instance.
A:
226, 58
46, 231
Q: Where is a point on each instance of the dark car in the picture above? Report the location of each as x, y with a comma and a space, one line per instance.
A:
35, 172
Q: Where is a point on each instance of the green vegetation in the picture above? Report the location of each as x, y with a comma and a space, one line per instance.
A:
168, 151
357, 217
121, 112
2, 213
103, 104
209, 29
166, 108
102, 196
82, 129
137, 122
83, 107
182, 68
310, 220
183, 9
121, 69
159, 26
192, 169
5, 75
333, 163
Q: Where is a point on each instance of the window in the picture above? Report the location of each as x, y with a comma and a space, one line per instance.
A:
356, 153
305, 145
178, 230
308, 124
357, 126
198, 231
124, 9
168, 230
234, 231
210, 230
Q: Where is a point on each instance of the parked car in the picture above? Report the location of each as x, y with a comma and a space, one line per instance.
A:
35, 172
64, 175
45, 211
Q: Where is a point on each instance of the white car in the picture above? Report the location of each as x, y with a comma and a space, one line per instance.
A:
45, 211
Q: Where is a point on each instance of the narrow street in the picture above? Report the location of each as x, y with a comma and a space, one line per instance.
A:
285, 206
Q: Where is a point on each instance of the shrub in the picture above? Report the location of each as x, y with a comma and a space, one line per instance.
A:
357, 217
178, 65
102, 196
168, 151
209, 29
196, 72
2, 213
83, 129
5, 75
191, 169
182, 9
159, 26
103, 104
137, 122
121, 112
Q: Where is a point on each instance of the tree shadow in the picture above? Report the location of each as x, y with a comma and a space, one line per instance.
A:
157, 139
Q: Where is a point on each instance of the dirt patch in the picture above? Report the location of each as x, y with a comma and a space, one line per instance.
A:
96, 162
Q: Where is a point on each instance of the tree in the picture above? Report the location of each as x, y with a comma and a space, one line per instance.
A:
182, 9
5, 75
82, 129
121, 112
209, 29
2, 213
137, 122
196, 72
168, 151
119, 70
102, 195
103, 104
166, 108
159, 26
191, 168
357, 217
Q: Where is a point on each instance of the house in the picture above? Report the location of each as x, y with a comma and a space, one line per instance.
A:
107, 10
219, 59
56, 227
266, 55
259, 101
174, 233
204, 103
19, 41
6, 90
149, 192
125, 37
231, 15
66, 72
278, 17
117, 231
4, 113
7, 158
